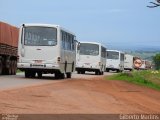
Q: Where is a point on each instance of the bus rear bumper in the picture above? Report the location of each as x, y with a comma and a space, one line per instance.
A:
36, 66
87, 69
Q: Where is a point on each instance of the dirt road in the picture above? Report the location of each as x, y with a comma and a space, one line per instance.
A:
80, 95
19, 81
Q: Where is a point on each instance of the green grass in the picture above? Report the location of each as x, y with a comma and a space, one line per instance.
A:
145, 78
18, 71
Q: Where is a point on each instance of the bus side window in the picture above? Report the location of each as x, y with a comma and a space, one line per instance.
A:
122, 57
66, 42
72, 42
65, 38
62, 40
69, 42
103, 52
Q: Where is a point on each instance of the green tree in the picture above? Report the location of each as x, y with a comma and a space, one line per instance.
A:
156, 60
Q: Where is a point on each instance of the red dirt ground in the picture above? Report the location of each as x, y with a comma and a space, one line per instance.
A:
82, 96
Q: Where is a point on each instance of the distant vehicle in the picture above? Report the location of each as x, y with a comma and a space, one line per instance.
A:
45, 48
128, 62
91, 56
8, 48
146, 65
115, 61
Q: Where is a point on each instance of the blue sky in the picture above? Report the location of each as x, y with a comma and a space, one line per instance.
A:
119, 24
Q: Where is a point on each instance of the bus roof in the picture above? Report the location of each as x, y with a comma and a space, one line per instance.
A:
47, 25
115, 51
91, 43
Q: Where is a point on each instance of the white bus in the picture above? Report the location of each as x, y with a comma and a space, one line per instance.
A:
45, 48
115, 60
128, 62
91, 57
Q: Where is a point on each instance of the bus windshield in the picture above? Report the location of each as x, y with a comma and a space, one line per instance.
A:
89, 49
112, 55
40, 36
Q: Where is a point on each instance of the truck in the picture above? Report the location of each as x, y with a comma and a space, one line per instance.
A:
8, 48
128, 62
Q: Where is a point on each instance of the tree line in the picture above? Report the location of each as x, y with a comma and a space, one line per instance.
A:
156, 60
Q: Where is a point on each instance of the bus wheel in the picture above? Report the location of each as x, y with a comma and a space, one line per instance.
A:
83, 72
1, 67
62, 76
68, 75
99, 72
65, 66
39, 74
72, 66
107, 70
59, 75
79, 72
102, 73
96, 72
56, 75
27, 74
33, 74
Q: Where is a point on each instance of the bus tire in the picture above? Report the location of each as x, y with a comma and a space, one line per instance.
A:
68, 75
27, 74
102, 73
72, 66
39, 74
83, 72
79, 72
107, 70
56, 75
65, 66
99, 72
59, 75
32, 74
118, 71
62, 76
96, 72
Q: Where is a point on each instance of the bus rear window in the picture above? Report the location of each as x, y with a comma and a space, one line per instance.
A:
40, 36
112, 55
89, 49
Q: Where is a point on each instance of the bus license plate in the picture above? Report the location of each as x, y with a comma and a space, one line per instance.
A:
38, 61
